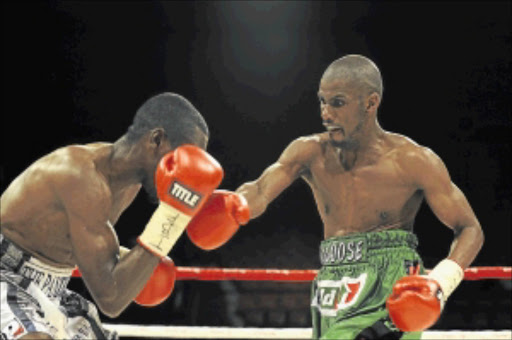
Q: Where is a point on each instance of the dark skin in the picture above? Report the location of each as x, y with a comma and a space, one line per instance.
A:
364, 178
63, 207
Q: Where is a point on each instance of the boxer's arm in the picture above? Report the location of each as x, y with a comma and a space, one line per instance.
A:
277, 177
450, 206
113, 282
417, 301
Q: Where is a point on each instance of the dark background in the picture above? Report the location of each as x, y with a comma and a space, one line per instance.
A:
75, 72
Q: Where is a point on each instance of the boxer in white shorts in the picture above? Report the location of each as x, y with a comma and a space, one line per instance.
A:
59, 214
34, 298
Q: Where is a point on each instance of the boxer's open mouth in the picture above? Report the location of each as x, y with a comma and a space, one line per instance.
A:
334, 130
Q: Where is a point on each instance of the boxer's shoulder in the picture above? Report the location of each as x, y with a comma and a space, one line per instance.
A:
307, 147
67, 163
74, 172
301, 152
414, 160
62, 165
402, 148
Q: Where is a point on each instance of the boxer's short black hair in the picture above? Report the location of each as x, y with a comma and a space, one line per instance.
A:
172, 112
356, 68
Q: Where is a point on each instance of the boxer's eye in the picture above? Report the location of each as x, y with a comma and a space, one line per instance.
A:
337, 102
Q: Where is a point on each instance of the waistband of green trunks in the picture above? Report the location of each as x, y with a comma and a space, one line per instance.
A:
354, 248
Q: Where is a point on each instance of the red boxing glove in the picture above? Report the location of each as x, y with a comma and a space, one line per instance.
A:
415, 304
417, 301
184, 179
159, 286
218, 220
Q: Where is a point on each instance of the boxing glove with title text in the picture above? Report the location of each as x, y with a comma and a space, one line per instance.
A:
218, 220
184, 179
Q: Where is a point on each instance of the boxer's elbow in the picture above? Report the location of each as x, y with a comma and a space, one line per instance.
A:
467, 244
110, 309
479, 237
112, 305
111, 313
472, 232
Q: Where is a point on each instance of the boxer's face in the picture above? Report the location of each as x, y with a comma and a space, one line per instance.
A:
158, 147
155, 149
342, 112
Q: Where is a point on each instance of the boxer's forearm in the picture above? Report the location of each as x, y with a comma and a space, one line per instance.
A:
272, 182
255, 198
128, 278
467, 244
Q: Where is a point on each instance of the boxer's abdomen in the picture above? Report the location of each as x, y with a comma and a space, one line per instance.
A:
363, 199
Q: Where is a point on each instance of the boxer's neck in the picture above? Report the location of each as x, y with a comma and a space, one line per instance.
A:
124, 164
365, 149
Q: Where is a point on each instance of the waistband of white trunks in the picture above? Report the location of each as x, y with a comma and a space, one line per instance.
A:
50, 279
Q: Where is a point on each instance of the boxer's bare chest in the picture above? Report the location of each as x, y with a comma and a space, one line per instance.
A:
362, 198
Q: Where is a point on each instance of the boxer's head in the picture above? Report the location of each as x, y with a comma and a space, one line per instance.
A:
161, 124
350, 93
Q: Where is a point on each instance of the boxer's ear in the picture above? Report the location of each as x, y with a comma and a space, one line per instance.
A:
372, 102
159, 144
156, 138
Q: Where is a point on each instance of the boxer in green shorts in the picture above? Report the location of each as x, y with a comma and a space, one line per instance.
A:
367, 182
357, 275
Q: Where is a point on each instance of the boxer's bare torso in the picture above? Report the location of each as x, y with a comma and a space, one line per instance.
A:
374, 194
355, 192
62, 208
36, 206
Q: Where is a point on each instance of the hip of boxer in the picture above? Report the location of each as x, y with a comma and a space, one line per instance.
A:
34, 299
357, 275
51, 280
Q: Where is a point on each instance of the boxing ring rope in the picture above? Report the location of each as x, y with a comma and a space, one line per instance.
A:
237, 274
182, 332
240, 274
307, 275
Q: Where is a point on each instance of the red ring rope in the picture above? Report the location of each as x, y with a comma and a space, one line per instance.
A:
238, 274
218, 274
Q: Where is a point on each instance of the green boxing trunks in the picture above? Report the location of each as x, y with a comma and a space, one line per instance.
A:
357, 276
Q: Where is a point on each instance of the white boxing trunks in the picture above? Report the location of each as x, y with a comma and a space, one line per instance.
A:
34, 298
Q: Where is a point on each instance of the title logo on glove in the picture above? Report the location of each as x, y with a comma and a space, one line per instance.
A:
184, 195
